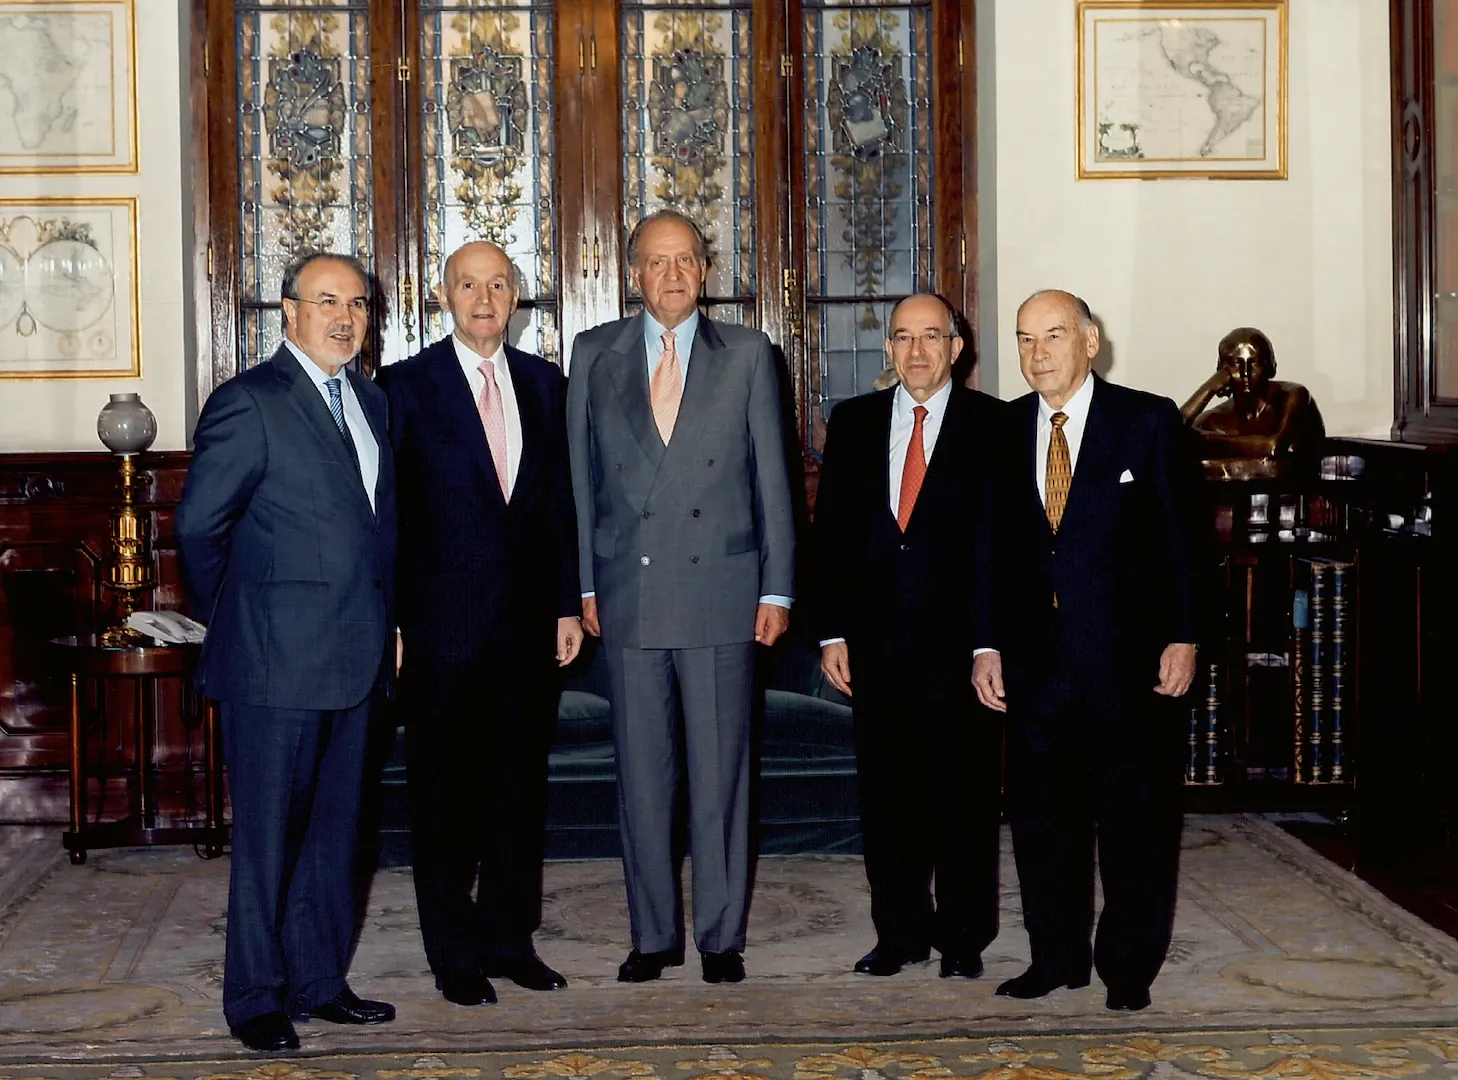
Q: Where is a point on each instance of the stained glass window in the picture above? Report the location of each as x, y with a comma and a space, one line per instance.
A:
869, 127
486, 95
688, 134
303, 149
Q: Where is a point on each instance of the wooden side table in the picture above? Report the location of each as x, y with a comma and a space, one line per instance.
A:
85, 657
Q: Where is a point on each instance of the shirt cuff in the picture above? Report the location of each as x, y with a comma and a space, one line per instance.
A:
776, 600
979, 652
586, 595
832, 641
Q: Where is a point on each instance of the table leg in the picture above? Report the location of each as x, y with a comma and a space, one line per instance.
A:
213, 769
146, 811
78, 773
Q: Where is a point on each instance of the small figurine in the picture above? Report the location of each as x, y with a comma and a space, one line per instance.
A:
1266, 426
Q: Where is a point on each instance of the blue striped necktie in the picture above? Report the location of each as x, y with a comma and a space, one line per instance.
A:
336, 406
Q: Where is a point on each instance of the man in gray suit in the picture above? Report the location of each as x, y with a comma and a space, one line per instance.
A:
687, 549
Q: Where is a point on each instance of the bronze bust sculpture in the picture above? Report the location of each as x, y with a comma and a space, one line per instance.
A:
1267, 427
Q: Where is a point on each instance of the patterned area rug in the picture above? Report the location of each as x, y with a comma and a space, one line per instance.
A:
1331, 1054
120, 960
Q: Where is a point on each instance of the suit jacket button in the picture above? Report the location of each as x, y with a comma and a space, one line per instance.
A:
905, 547
696, 513
619, 466
647, 514
645, 560
694, 559
711, 462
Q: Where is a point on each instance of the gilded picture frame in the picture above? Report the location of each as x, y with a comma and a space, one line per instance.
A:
1194, 90
69, 296
77, 60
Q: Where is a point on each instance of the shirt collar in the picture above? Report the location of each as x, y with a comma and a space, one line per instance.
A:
683, 333
936, 405
470, 359
317, 374
1075, 407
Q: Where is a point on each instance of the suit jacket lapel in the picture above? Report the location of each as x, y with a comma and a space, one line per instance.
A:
1029, 466
944, 457
458, 411
530, 408
1093, 453
629, 373
705, 371
316, 416
379, 428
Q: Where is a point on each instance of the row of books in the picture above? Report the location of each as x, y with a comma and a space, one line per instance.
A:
1317, 663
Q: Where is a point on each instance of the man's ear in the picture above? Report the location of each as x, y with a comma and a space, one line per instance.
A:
1092, 343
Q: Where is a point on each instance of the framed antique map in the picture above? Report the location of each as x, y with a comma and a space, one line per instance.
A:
68, 288
1182, 90
68, 96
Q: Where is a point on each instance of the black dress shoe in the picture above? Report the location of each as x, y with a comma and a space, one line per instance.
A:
954, 966
528, 972
645, 967
1127, 1000
347, 1007
884, 960
267, 1033
466, 988
1036, 983
719, 967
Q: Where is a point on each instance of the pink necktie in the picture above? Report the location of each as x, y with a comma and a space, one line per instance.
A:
666, 389
493, 419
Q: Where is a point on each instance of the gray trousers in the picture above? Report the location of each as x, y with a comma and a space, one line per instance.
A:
683, 715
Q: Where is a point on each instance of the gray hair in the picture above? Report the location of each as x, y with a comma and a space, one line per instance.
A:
289, 288
1080, 308
635, 237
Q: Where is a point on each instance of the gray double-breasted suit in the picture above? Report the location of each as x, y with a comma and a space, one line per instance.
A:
679, 543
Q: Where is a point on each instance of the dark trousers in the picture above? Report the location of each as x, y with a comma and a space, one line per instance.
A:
477, 737
1081, 774
683, 716
927, 769
294, 777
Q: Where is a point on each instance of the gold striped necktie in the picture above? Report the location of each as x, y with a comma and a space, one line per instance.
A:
1060, 471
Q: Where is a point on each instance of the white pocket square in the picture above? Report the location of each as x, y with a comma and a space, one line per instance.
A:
1126, 477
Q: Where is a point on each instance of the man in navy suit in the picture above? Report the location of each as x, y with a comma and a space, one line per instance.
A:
287, 535
1089, 646
489, 610
904, 487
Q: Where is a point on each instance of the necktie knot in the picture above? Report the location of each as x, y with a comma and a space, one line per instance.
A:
1058, 419
334, 391
918, 415
487, 370
670, 342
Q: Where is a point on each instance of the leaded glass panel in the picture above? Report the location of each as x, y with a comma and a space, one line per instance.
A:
869, 129
688, 130
303, 148
486, 96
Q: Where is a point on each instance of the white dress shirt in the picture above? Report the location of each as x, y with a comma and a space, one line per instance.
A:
1076, 409
365, 447
903, 422
470, 362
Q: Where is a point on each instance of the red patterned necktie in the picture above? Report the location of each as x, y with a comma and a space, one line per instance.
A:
914, 471
493, 419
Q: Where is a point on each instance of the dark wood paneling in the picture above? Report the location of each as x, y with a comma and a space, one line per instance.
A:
54, 541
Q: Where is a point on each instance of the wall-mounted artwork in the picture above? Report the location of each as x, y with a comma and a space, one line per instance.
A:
1193, 90
68, 288
68, 86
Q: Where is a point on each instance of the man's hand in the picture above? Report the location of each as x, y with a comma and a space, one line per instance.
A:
835, 662
987, 680
569, 640
589, 616
770, 621
1176, 670
399, 651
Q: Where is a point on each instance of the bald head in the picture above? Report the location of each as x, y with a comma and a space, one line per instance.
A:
480, 291
922, 344
1057, 341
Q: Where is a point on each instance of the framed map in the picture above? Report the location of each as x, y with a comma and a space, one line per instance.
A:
1182, 90
68, 288
68, 94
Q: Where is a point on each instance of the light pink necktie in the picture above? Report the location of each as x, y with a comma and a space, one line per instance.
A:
666, 390
493, 419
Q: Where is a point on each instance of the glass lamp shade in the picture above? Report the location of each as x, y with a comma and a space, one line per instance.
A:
126, 425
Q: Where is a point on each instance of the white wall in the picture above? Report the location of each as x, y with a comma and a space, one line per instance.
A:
1169, 266
43, 415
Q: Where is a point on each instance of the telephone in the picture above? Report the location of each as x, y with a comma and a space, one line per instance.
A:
168, 627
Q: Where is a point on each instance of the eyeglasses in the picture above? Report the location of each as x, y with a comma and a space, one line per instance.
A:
931, 338
332, 305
